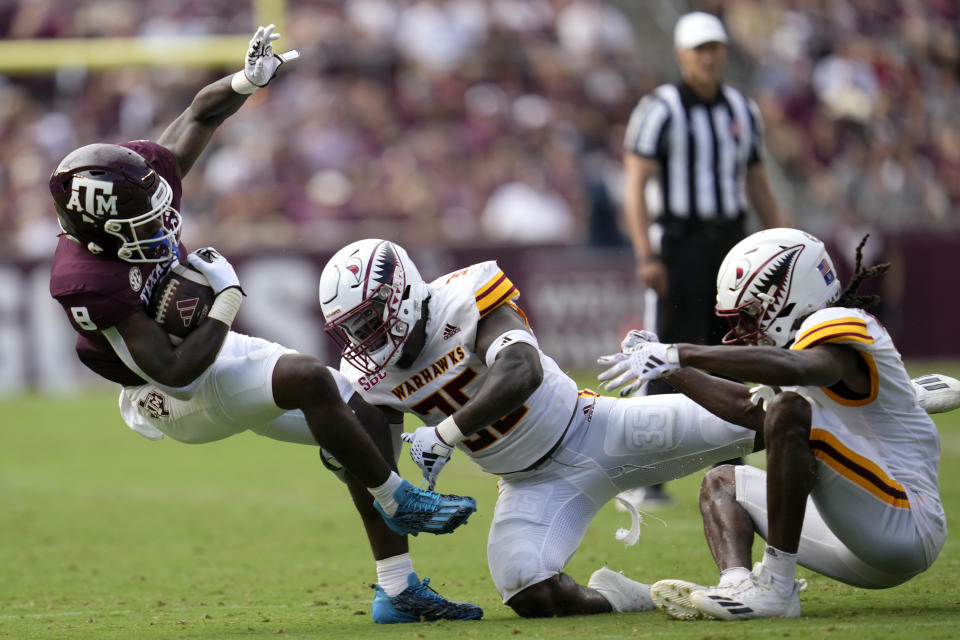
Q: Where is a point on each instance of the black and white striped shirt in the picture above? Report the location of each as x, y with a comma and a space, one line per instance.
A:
704, 149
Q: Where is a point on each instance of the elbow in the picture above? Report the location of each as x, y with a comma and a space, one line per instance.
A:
532, 379
811, 376
524, 371
529, 373
175, 379
179, 373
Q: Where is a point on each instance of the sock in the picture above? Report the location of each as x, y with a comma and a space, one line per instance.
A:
733, 575
782, 567
384, 493
392, 573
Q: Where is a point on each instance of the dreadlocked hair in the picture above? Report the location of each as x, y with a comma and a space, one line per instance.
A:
849, 297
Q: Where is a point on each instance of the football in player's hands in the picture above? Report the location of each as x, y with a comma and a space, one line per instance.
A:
937, 393
180, 301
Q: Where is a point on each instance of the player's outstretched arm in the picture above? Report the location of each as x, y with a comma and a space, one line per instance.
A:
188, 135
730, 401
820, 366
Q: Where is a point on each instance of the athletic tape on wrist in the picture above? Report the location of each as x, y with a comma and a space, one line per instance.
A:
241, 84
449, 432
226, 305
507, 339
672, 353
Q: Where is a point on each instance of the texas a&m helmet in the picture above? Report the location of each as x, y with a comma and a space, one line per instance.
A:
110, 200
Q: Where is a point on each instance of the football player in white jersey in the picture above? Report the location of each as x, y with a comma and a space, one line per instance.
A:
851, 484
459, 354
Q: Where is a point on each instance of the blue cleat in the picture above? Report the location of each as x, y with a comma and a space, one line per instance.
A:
419, 603
422, 510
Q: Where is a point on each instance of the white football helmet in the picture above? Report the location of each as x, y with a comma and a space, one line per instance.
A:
371, 295
769, 282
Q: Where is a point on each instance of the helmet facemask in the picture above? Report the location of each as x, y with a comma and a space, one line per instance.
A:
153, 236
744, 324
370, 338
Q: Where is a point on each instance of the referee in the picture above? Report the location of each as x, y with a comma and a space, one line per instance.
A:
700, 141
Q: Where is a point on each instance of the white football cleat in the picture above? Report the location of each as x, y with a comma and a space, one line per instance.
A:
937, 393
621, 592
755, 597
673, 598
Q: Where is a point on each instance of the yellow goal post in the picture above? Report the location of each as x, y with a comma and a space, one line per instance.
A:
46, 55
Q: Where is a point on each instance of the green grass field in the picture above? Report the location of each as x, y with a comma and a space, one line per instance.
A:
106, 535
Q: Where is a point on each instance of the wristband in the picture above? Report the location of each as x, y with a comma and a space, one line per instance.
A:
672, 353
241, 84
449, 432
226, 305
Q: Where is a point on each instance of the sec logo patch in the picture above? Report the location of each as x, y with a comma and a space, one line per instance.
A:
136, 279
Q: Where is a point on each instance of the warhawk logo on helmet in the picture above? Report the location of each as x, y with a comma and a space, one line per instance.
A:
355, 267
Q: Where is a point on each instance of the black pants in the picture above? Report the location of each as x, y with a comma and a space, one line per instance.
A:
692, 253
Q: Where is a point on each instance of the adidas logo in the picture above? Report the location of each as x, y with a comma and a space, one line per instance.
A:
186, 309
652, 363
588, 411
732, 606
449, 331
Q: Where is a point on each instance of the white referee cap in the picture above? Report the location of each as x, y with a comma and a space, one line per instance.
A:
697, 28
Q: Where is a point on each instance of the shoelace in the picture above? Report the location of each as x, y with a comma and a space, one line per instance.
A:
423, 501
426, 585
427, 591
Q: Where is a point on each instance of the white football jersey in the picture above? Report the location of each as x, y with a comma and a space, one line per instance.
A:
888, 415
449, 371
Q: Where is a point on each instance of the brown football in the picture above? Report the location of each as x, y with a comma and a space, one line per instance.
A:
181, 301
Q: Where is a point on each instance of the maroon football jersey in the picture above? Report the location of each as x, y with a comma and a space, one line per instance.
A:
97, 292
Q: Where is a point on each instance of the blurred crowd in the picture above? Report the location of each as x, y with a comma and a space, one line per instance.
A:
861, 100
458, 121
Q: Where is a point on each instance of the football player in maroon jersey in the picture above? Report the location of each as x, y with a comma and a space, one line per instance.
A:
118, 207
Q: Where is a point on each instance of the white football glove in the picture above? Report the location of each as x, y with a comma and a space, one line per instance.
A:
215, 268
646, 361
636, 337
429, 452
261, 63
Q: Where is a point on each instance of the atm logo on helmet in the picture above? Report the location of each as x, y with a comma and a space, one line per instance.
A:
95, 200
